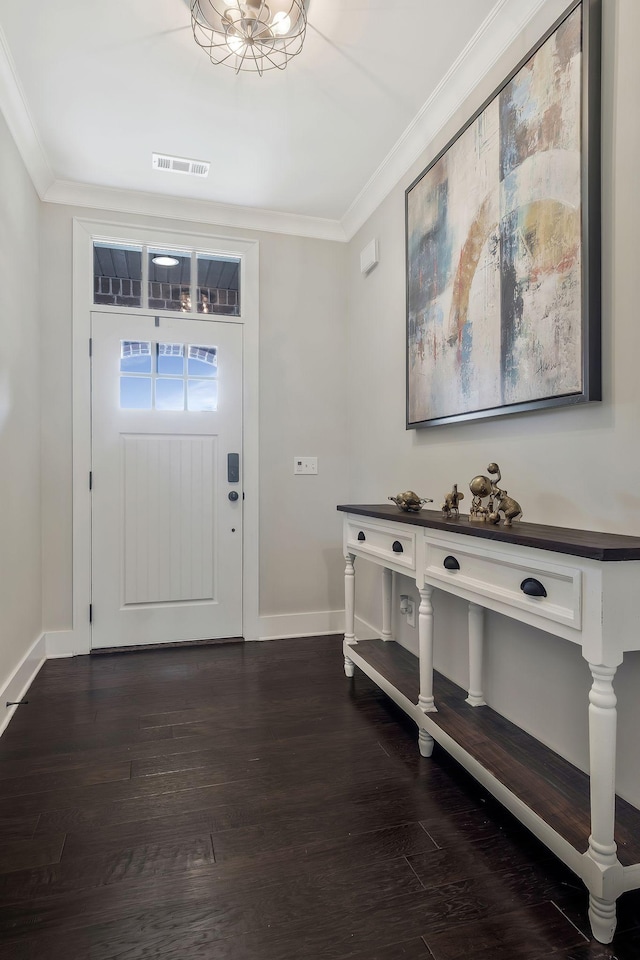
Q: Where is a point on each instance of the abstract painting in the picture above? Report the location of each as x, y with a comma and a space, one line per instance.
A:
502, 304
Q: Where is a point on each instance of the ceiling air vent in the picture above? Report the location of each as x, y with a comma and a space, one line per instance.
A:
196, 168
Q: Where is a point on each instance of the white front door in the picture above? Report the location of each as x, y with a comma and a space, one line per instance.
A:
166, 480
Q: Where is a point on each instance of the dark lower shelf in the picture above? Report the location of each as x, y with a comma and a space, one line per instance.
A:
550, 786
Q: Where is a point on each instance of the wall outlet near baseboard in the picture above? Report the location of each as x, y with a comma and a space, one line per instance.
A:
408, 609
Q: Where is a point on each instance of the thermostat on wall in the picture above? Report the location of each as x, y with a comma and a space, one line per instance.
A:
369, 257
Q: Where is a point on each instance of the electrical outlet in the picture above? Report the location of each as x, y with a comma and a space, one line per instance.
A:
411, 613
305, 465
408, 609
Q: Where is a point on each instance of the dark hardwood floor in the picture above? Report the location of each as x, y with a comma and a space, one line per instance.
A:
247, 802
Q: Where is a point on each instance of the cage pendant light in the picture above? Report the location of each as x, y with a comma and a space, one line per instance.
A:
250, 34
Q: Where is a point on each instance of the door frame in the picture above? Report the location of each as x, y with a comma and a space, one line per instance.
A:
85, 231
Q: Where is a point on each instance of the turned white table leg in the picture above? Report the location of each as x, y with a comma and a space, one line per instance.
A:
602, 755
387, 576
476, 644
425, 637
349, 609
425, 743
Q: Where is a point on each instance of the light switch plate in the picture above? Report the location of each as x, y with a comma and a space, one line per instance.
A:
305, 465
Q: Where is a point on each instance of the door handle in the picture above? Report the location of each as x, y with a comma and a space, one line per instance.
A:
233, 496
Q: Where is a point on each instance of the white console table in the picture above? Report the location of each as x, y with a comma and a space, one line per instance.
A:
577, 585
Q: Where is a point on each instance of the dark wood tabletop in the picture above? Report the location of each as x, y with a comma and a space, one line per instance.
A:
592, 544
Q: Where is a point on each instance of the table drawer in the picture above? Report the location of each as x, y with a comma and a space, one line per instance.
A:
394, 546
550, 590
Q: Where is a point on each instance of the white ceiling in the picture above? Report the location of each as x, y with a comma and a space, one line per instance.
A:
98, 86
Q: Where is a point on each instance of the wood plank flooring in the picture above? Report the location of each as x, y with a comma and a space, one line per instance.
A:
248, 802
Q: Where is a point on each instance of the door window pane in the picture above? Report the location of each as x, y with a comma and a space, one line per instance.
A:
170, 393
171, 359
135, 356
117, 274
169, 281
155, 376
218, 285
203, 361
135, 393
202, 395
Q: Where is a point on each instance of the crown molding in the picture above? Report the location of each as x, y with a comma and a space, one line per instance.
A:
13, 105
195, 211
505, 22
507, 19
16, 112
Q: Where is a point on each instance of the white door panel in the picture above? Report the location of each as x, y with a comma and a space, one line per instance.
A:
172, 478
167, 541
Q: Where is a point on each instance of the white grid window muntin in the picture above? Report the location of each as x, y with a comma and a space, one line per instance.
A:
168, 376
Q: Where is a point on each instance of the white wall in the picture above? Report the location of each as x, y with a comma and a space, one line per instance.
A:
577, 467
20, 584
302, 411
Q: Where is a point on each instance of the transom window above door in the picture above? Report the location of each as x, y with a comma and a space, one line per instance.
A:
159, 279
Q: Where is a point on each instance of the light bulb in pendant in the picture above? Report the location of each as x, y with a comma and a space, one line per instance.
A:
281, 24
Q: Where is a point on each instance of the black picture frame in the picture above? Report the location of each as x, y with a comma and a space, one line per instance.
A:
586, 326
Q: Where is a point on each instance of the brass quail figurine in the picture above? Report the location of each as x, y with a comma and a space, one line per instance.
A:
409, 501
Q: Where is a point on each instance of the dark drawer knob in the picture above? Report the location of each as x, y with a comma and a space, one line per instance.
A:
361, 536
397, 547
533, 588
450, 563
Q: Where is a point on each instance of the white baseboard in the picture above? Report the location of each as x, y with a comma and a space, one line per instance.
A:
64, 643
17, 684
289, 625
285, 626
